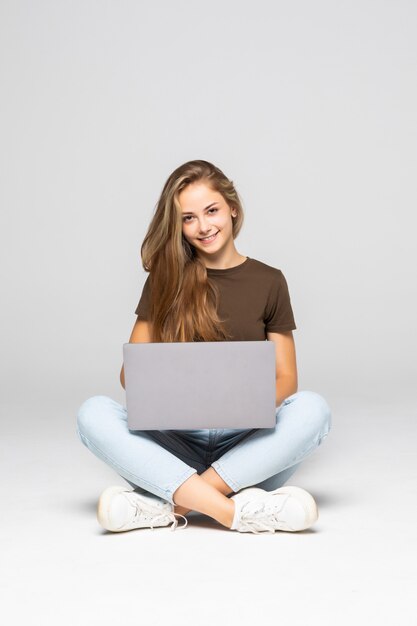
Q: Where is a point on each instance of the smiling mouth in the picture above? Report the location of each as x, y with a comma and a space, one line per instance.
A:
208, 239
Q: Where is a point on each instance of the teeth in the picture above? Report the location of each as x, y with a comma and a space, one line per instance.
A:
208, 238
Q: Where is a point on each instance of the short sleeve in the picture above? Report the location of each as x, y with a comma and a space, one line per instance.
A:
142, 308
279, 315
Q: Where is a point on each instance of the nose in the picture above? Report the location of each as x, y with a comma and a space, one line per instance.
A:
204, 227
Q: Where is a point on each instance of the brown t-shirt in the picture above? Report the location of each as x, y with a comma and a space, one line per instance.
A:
254, 298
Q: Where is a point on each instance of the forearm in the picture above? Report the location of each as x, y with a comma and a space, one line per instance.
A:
285, 386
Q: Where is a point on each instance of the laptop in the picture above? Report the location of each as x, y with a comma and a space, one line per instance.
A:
200, 385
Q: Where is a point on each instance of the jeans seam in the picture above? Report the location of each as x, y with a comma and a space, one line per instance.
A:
232, 483
313, 445
174, 485
210, 447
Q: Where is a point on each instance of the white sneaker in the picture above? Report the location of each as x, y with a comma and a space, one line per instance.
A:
286, 508
119, 509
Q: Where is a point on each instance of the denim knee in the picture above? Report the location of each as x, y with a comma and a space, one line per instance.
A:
89, 412
320, 412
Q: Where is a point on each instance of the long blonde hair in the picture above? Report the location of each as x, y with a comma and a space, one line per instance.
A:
183, 300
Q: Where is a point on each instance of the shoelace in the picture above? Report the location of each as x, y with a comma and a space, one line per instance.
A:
259, 517
171, 516
162, 517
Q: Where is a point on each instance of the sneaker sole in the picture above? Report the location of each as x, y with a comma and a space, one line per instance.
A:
103, 508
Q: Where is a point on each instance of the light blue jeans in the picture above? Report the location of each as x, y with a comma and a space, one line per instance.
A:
159, 461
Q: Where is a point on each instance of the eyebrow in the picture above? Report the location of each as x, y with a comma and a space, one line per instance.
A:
207, 207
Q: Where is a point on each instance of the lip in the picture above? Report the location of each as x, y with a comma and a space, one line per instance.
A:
207, 243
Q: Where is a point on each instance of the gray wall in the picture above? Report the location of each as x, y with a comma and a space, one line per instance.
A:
310, 108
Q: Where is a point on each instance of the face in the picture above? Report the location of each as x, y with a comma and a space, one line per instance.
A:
206, 213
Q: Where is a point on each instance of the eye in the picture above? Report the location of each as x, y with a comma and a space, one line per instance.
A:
185, 219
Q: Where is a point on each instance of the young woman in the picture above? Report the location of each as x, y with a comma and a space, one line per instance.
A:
200, 288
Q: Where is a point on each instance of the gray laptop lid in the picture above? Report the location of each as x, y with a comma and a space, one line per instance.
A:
200, 385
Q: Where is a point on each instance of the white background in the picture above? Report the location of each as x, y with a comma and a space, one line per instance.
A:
310, 108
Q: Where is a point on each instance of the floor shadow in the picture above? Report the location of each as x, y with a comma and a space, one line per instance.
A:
328, 498
199, 520
85, 506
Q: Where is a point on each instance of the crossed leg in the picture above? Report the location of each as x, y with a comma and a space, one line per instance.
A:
207, 492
